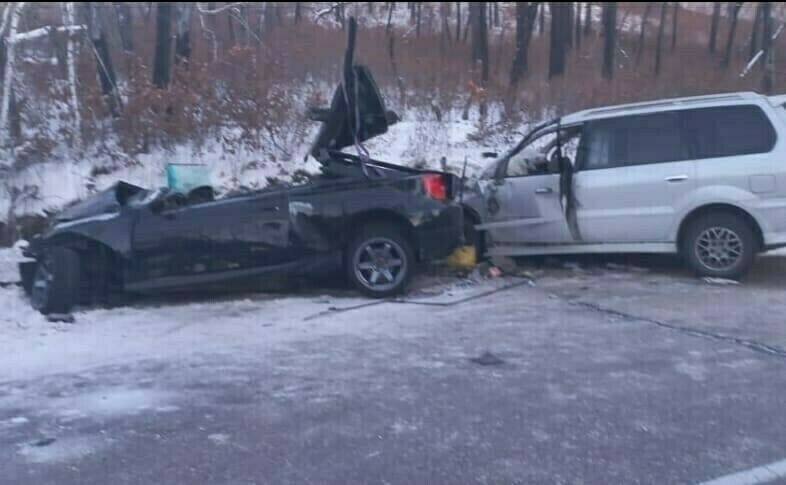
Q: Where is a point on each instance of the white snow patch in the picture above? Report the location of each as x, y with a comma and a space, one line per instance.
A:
111, 402
697, 372
219, 438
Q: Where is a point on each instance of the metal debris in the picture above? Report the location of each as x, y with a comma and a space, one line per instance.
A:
487, 358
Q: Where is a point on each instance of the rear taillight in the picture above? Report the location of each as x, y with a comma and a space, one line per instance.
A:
434, 185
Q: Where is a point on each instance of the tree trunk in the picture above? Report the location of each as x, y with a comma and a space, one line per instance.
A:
389, 25
525, 24
445, 36
734, 12
458, 22
674, 13
541, 18
8, 80
125, 25
480, 46
402, 93
587, 18
76, 133
640, 43
769, 61
496, 14
609, 38
714, 26
569, 22
577, 29
418, 17
297, 12
467, 24
183, 33
753, 45
557, 44
163, 40
106, 71
659, 42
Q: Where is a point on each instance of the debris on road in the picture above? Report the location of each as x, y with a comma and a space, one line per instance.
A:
488, 359
719, 281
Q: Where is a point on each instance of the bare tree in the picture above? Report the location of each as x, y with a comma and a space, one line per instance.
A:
753, 45
418, 17
445, 36
558, 41
642, 27
389, 25
569, 22
675, 9
183, 33
68, 19
458, 22
480, 41
733, 14
577, 30
587, 18
609, 38
297, 12
163, 40
541, 18
769, 61
525, 24
106, 70
714, 26
125, 27
659, 42
496, 13
8, 76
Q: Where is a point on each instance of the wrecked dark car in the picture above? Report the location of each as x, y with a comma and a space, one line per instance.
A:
373, 221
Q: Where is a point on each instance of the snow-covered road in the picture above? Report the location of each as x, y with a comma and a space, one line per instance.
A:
608, 374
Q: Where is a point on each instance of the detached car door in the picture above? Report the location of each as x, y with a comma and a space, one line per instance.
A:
523, 207
223, 235
634, 172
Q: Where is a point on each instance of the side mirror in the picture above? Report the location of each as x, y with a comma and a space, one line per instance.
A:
489, 155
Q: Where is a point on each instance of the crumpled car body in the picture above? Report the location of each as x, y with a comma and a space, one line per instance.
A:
132, 239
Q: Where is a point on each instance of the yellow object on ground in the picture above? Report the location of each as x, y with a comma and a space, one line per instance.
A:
462, 257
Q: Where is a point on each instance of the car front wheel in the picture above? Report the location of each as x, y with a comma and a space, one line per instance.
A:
380, 260
720, 245
55, 286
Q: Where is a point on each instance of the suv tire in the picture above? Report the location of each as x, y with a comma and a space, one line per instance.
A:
720, 245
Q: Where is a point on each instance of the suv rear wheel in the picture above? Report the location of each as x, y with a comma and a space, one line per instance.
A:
720, 245
380, 260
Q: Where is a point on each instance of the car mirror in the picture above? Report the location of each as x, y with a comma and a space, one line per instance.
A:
489, 155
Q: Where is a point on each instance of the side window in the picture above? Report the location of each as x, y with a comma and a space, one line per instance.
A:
730, 130
633, 140
534, 158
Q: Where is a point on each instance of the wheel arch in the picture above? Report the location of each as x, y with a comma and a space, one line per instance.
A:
721, 208
384, 216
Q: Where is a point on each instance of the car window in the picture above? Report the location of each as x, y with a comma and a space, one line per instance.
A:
533, 159
730, 130
634, 140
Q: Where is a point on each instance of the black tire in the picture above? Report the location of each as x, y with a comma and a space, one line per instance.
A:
733, 234
56, 281
382, 239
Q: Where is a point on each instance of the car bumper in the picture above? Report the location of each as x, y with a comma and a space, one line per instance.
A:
440, 235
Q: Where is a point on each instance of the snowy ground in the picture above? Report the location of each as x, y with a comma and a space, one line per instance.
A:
612, 371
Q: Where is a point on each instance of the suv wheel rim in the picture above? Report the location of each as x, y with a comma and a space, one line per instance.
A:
719, 248
380, 264
41, 283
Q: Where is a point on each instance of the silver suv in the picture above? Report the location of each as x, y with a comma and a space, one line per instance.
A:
702, 176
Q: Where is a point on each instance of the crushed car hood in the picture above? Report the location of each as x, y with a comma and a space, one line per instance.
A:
107, 201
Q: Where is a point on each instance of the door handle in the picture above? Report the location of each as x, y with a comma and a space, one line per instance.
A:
677, 178
543, 190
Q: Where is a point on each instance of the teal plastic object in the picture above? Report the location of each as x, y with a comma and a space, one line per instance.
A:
184, 177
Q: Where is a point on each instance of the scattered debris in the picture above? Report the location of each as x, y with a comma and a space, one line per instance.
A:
572, 265
719, 281
219, 438
487, 358
494, 272
506, 264
60, 317
44, 442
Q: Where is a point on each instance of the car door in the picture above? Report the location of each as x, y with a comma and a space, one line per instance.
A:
523, 206
222, 235
632, 174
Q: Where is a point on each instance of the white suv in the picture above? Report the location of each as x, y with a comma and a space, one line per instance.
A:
703, 176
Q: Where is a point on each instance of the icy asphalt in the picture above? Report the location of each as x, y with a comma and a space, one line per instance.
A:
609, 374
